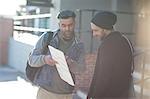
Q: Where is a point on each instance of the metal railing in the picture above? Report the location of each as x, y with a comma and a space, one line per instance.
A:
32, 23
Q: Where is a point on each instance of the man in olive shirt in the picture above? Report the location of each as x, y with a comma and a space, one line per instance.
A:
63, 39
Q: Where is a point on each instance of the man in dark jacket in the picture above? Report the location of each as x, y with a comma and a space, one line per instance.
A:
113, 71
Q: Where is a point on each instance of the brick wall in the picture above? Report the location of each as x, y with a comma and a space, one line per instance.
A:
83, 80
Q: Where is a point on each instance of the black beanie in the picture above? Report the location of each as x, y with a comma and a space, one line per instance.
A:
104, 19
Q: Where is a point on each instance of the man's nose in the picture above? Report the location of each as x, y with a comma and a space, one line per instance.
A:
67, 28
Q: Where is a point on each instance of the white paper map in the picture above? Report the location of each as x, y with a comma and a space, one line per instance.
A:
61, 66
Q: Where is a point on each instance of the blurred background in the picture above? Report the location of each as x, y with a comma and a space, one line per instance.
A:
23, 21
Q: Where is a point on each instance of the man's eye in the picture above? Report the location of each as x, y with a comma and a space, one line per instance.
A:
94, 30
63, 25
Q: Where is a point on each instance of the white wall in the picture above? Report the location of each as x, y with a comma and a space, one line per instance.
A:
54, 12
18, 54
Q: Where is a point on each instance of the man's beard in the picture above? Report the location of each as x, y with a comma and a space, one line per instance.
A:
68, 36
103, 36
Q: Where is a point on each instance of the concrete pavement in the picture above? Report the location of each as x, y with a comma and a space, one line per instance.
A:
14, 86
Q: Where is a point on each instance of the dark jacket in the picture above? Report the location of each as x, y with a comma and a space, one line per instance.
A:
112, 75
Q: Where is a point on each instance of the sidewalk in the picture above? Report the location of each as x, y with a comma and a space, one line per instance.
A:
13, 85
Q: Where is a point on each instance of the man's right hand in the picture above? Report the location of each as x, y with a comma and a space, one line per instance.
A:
48, 60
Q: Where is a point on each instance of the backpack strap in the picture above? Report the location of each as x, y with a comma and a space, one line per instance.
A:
49, 37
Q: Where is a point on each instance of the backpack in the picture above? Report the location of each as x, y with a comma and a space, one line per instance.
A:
32, 71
